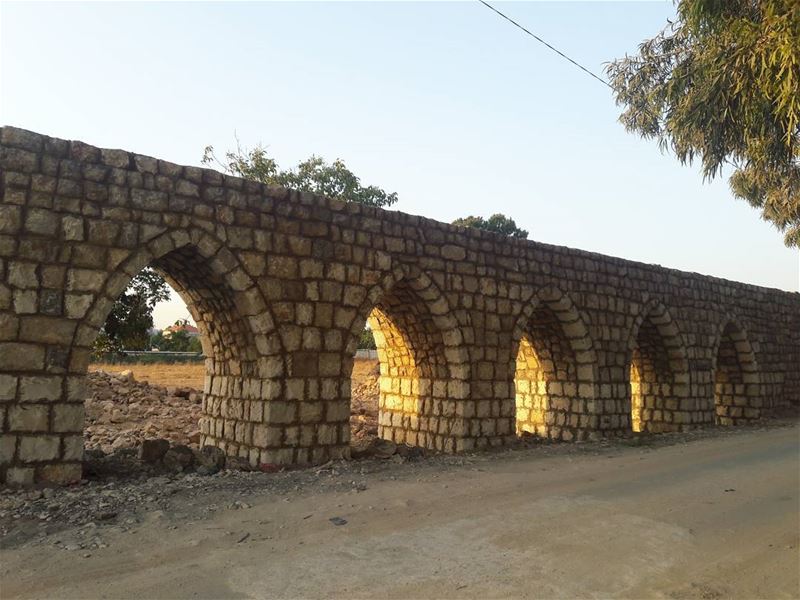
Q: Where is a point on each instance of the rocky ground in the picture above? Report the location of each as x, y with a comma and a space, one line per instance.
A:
121, 412
712, 514
128, 487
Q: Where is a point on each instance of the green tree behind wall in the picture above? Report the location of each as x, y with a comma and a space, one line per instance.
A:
497, 223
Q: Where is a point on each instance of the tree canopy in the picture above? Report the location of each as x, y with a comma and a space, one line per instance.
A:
499, 223
128, 325
721, 85
177, 340
314, 175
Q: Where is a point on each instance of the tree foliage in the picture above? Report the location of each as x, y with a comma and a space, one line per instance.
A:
366, 340
128, 325
498, 223
314, 175
721, 85
177, 341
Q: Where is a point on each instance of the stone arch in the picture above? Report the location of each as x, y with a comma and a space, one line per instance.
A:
658, 372
736, 376
424, 366
244, 353
555, 368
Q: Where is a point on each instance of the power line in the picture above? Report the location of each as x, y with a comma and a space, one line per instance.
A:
540, 40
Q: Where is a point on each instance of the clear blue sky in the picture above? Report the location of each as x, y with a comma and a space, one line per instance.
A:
444, 103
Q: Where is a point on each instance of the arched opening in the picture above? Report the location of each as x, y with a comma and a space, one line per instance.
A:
554, 371
736, 389
242, 353
419, 358
146, 375
658, 374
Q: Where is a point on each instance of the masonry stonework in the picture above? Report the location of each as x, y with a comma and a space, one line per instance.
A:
480, 337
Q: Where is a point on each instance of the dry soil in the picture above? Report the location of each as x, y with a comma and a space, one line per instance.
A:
712, 515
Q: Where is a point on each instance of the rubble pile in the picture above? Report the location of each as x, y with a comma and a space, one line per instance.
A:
364, 394
122, 412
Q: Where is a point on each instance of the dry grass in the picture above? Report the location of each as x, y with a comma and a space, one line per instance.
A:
178, 375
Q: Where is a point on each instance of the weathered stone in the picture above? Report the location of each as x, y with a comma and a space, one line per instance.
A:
50, 303
68, 418
21, 357
179, 458
8, 387
41, 222
211, 457
38, 388
21, 476
77, 305
8, 447
25, 302
39, 448
22, 274
153, 451
23, 417
64, 473
85, 279
72, 228
453, 252
46, 330
10, 219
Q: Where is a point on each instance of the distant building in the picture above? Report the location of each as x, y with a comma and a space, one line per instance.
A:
190, 330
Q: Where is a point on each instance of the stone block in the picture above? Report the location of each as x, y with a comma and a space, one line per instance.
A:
41, 222
48, 330
73, 447
8, 446
68, 418
310, 412
25, 302
276, 411
76, 388
330, 364
10, 219
29, 417
20, 476
22, 274
305, 364
40, 388
50, 302
21, 357
72, 228
326, 434
76, 305
62, 474
8, 387
39, 448
452, 252
85, 280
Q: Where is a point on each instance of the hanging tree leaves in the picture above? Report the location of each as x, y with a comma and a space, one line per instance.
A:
721, 85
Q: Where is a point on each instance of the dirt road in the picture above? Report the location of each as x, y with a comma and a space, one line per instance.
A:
711, 518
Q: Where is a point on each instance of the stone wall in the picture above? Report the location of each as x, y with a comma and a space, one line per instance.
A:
281, 284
